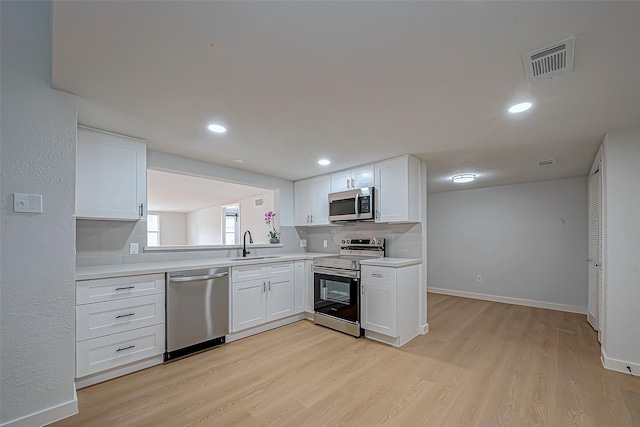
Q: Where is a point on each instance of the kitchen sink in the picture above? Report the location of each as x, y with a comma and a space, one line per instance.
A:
251, 258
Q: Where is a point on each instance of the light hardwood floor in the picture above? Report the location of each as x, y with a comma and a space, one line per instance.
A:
481, 364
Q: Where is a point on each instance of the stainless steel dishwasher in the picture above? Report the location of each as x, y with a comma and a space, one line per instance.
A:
197, 310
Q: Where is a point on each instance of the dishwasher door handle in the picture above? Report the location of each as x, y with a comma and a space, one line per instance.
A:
195, 278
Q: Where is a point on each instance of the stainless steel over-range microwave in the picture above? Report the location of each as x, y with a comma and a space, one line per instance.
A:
352, 205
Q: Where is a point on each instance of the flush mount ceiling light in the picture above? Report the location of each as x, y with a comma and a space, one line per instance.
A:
519, 108
217, 128
324, 162
239, 160
463, 178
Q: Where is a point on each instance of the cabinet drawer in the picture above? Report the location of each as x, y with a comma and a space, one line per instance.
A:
280, 269
106, 318
99, 290
112, 351
379, 274
252, 272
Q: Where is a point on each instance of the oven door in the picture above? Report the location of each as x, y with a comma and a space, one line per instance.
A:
337, 293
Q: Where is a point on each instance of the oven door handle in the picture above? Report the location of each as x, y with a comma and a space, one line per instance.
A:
352, 274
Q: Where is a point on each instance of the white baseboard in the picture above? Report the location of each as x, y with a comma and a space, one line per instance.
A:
47, 416
618, 365
509, 300
423, 329
265, 327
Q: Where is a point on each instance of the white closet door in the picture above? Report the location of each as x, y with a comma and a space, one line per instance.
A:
594, 306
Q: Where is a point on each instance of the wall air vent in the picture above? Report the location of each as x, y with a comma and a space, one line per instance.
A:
546, 163
549, 61
259, 202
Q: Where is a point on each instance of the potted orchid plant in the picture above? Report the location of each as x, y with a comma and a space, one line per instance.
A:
270, 220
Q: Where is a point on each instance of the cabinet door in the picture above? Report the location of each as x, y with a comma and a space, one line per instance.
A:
320, 189
280, 297
301, 214
392, 190
309, 295
363, 176
249, 302
379, 308
300, 288
341, 181
111, 176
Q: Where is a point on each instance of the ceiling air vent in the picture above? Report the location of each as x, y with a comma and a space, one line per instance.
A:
549, 61
546, 163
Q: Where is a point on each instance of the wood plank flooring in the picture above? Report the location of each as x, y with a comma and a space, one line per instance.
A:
481, 364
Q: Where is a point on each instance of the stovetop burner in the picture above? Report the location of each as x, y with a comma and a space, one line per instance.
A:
352, 251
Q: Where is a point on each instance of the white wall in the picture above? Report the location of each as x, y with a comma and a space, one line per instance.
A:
204, 226
252, 217
621, 257
528, 241
37, 308
173, 228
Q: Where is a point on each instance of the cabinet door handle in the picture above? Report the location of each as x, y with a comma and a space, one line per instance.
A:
348, 185
307, 219
376, 275
125, 348
141, 210
125, 288
311, 218
269, 285
264, 287
125, 315
353, 184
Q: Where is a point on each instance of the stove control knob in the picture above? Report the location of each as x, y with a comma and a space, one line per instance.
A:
348, 241
379, 241
343, 241
373, 242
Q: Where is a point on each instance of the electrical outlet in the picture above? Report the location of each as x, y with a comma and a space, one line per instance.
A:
133, 249
479, 278
325, 244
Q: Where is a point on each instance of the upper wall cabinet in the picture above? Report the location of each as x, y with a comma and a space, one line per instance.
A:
311, 201
360, 177
111, 176
397, 183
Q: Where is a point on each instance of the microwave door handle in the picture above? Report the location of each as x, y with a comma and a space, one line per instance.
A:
357, 207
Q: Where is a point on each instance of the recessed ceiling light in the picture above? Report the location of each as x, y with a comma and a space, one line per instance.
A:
519, 108
463, 178
239, 160
324, 162
217, 128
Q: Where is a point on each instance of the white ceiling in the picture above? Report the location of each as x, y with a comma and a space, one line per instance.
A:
171, 192
354, 82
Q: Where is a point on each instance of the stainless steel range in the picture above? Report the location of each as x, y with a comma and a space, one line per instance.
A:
337, 284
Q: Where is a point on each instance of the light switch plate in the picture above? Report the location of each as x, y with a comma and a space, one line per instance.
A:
303, 243
30, 203
325, 243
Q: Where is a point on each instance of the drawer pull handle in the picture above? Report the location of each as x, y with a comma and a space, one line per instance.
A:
125, 315
125, 288
125, 348
376, 275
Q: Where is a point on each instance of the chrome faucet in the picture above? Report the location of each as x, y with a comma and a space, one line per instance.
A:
245, 252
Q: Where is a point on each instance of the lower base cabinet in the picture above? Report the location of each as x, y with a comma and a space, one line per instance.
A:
261, 293
389, 309
120, 326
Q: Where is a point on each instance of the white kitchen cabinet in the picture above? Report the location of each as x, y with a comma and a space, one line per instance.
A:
111, 176
258, 300
304, 286
362, 176
397, 183
311, 201
120, 324
249, 299
390, 299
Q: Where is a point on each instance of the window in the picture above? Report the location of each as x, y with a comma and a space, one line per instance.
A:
231, 226
153, 230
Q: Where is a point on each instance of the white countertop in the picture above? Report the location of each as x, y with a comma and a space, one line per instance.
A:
391, 262
116, 270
